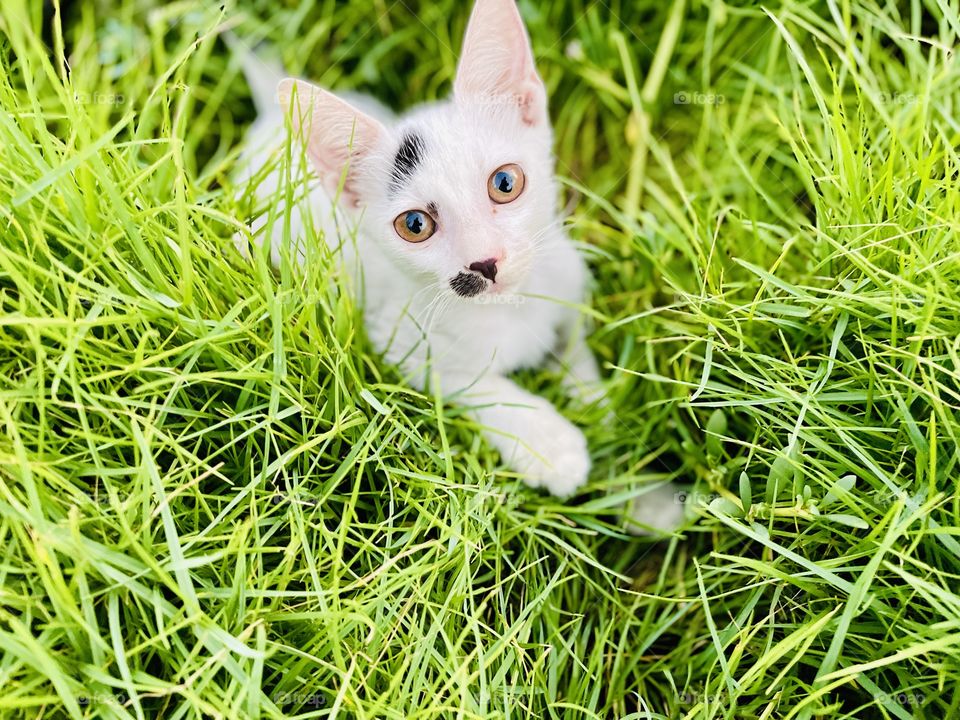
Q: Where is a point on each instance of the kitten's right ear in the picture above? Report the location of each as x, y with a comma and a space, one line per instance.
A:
335, 132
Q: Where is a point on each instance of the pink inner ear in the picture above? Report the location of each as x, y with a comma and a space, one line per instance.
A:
497, 60
337, 134
533, 105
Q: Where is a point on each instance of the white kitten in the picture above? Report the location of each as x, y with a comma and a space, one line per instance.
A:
467, 272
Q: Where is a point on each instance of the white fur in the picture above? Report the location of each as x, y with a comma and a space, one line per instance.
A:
498, 115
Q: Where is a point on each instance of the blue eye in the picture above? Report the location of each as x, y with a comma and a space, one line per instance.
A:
506, 184
414, 226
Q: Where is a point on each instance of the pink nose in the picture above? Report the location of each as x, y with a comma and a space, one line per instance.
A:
487, 268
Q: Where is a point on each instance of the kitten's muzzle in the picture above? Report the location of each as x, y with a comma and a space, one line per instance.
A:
469, 284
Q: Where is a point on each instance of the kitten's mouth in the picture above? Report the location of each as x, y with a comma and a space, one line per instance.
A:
468, 284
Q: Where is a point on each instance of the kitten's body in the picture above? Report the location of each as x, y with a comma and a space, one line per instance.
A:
426, 305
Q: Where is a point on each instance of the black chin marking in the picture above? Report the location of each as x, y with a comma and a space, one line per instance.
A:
468, 284
407, 160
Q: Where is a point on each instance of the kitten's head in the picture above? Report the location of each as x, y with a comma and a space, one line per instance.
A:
458, 192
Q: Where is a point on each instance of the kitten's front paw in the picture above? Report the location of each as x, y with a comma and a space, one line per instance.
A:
552, 454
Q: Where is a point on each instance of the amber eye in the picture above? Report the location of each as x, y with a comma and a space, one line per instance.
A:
506, 184
414, 226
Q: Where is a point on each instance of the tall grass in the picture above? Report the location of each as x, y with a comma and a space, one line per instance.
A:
216, 501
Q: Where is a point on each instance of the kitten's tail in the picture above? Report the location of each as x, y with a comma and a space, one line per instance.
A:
263, 71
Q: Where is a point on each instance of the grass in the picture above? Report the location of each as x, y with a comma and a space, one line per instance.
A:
216, 501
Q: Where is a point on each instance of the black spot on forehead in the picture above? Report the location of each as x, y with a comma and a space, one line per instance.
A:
408, 159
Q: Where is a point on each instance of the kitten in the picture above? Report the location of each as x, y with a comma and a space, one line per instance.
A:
467, 272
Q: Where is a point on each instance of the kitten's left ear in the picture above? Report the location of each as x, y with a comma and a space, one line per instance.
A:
337, 135
497, 63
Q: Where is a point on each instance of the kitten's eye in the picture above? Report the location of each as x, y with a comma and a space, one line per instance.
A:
506, 184
414, 226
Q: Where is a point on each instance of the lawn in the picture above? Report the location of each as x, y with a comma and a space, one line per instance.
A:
217, 501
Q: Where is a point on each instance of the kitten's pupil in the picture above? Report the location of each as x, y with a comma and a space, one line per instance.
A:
504, 182
415, 223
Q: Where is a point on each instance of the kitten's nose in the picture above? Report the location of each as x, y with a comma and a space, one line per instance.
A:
487, 268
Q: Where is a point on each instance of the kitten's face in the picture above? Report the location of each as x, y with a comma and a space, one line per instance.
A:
461, 195
460, 192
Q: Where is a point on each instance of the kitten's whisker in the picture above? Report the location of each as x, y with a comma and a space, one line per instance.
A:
436, 306
424, 317
540, 237
444, 298
432, 286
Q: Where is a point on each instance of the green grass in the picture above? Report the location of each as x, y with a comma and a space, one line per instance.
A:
215, 500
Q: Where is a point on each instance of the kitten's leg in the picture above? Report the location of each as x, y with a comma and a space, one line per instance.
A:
659, 510
532, 437
580, 375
